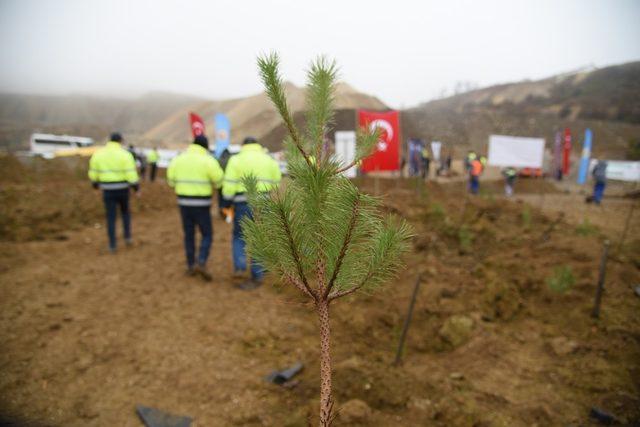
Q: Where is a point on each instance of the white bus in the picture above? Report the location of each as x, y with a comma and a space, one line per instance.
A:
47, 145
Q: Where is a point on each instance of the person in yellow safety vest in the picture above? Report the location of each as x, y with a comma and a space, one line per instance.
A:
113, 169
471, 156
426, 161
509, 174
193, 174
152, 159
251, 160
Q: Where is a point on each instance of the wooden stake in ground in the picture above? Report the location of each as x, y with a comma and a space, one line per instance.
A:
319, 233
603, 269
627, 222
407, 321
542, 192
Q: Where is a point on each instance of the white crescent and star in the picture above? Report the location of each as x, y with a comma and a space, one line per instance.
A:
386, 126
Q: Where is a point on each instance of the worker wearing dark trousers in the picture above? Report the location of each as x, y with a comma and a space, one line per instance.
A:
113, 169
600, 181
114, 200
152, 159
194, 174
192, 217
250, 161
475, 171
426, 160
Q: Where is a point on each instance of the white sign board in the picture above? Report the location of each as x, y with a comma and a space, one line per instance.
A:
516, 151
435, 149
346, 150
623, 171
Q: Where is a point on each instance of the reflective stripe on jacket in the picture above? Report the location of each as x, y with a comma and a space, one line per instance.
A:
113, 167
251, 160
509, 172
193, 174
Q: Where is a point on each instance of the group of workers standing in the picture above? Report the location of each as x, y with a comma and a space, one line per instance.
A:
475, 166
195, 175
420, 162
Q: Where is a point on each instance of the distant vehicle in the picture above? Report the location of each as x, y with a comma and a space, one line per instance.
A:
49, 145
531, 172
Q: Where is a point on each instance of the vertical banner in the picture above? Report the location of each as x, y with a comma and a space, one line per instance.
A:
584, 160
386, 156
197, 125
566, 151
435, 149
557, 156
223, 133
346, 150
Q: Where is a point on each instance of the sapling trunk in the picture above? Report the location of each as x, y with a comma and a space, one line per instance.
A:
326, 399
319, 233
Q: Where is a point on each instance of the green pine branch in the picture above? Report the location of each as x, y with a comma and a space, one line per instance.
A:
318, 232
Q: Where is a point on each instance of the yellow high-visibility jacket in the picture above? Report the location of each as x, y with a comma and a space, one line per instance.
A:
152, 156
251, 160
113, 168
193, 174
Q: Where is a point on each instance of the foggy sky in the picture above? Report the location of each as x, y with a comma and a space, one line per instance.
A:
404, 52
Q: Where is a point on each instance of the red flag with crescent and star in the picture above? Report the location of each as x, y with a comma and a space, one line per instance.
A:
386, 156
197, 124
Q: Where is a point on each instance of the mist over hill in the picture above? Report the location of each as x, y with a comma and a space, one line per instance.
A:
153, 119
606, 100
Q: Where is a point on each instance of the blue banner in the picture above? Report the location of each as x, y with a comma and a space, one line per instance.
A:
584, 160
223, 133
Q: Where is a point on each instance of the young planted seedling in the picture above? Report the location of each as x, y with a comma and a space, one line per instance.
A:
318, 232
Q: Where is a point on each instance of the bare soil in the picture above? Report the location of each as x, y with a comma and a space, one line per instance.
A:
87, 335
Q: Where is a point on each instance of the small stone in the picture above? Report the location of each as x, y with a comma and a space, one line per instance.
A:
420, 404
456, 376
456, 330
350, 363
562, 346
355, 411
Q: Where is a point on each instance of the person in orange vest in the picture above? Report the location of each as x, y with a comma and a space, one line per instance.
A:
475, 170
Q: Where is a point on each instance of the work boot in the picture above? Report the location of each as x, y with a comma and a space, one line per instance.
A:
190, 271
250, 285
203, 272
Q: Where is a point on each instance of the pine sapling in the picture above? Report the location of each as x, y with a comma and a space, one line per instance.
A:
318, 232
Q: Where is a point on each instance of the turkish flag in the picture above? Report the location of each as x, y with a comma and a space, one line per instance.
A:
566, 152
386, 156
197, 125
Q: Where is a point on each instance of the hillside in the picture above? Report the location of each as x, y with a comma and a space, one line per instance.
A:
606, 100
253, 115
92, 116
155, 118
